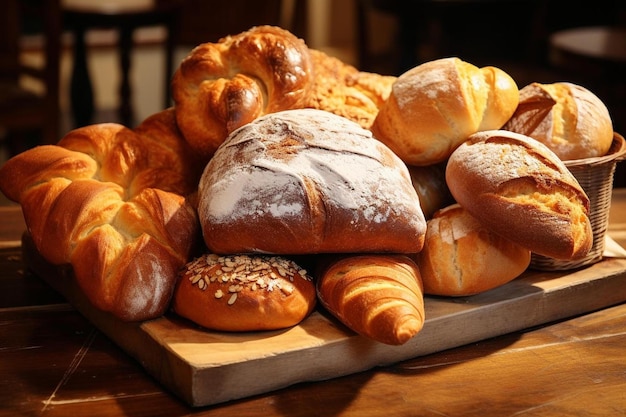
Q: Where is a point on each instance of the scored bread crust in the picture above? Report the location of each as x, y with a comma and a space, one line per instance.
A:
569, 119
377, 296
244, 293
435, 106
111, 202
308, 181
462, 257
520, 189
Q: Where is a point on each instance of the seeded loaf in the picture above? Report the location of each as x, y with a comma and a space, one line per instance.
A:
520, 189
377, 296
568, 118
435, 106
308, 181
463, 257
244, 293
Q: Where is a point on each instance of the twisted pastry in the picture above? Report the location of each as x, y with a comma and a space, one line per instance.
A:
378, 296
111, 202
221, 86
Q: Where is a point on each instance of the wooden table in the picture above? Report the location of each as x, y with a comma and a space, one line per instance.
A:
53, 362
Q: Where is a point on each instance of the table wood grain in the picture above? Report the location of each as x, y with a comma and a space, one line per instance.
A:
53, 362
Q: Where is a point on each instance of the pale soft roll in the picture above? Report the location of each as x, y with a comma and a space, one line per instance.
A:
568, 118
463, 257
520, 189
435, 106
308, 181
377, 296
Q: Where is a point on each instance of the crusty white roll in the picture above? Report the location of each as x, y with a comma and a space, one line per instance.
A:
244, 293
520, 189
462, 257
377, 296
435, 106
308, 181
568, 118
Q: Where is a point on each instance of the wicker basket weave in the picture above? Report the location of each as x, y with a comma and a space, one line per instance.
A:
595, 176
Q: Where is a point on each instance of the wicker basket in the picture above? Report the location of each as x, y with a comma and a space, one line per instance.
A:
595, 176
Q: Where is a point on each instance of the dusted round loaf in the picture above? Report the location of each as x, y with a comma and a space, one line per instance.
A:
435, 106
569, 119
308, 181
520, 189
244, 293
462, 257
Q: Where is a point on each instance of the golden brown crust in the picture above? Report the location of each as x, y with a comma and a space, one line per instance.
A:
435, 106
244, 293
343, 90
110, 201
221, 86
462, 257
569, 119
307, 181
377, 296
520, 189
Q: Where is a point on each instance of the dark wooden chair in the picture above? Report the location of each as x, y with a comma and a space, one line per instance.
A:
125, 18
29, 116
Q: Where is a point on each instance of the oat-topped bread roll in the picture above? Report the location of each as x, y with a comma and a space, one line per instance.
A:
239, 293
308, 181
111, 202
520, 189
435, 106
568, 118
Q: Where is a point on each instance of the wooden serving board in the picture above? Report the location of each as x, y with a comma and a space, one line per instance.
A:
204, 367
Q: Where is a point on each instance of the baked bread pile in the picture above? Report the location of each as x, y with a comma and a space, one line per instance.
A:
276, 155
221, 86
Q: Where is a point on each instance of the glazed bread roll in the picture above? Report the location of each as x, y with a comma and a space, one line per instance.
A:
437, 105
308, 181
377, 296
569, 119
112, 202
221, 86
462, 257
520, 189
244, 293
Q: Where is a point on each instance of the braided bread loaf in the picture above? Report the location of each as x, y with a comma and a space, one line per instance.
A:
378, 296
111, 202
221, 86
